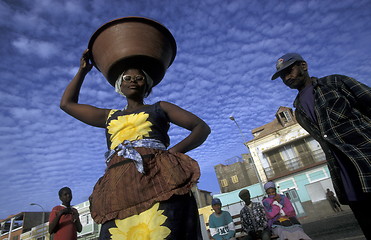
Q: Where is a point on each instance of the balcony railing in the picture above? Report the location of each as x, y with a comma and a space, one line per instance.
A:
287, 166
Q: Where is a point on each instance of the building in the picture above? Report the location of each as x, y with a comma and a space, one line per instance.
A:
236, 173
39, 232
90, 229
203, 198
283, 147
13, 226
285, 153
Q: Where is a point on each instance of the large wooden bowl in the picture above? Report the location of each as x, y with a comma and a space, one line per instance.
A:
132, 42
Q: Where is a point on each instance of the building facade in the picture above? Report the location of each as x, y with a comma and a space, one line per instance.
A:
90, 229
39, 232
203, 198
14, 226
285, 153
236, 173
282, 147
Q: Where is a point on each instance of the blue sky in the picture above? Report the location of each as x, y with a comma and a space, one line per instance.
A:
226, 55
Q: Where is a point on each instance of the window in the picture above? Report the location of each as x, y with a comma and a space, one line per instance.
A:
285, 115
317, 175
277, 165
274, 156
85, 219
287, 195
224, 182
234, 179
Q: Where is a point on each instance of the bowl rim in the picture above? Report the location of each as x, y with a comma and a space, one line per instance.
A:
154, 23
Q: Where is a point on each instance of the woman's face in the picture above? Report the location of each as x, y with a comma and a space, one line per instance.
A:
133, 83
271, 191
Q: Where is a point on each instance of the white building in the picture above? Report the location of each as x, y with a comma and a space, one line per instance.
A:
285, 153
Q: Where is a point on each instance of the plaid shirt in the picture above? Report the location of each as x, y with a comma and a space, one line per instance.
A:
253, 219
343, 110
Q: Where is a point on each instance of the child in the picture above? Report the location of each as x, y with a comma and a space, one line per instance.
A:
64, 221
221, 222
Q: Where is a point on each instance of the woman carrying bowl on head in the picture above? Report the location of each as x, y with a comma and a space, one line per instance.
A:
145, 192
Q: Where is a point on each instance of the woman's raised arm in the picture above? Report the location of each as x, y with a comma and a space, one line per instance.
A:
69, 103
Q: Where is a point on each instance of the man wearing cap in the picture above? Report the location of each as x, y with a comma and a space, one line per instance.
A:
335, 110
253, 219
221, 222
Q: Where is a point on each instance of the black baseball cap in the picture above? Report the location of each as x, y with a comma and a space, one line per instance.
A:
286, 61
216, 201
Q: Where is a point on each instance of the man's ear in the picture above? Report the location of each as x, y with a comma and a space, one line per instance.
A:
304, 66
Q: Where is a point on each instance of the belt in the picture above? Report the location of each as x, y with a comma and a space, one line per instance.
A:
126, 150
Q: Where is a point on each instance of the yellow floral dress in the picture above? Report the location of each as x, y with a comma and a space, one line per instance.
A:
154, 203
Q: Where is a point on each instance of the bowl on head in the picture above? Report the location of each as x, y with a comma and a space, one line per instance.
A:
132, 42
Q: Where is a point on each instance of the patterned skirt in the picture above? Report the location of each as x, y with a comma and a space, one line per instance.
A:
153, 205
174, 219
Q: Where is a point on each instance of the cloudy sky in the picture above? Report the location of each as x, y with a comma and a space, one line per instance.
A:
226, 56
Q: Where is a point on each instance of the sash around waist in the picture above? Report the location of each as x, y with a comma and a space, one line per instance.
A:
127, 150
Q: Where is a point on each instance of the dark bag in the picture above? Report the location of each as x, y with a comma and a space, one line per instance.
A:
289, 222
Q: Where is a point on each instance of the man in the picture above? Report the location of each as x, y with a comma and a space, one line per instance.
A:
253, 219
64, 221
336, 111
335, 205
220, 222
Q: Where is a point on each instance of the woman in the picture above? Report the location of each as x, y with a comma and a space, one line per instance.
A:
145, 191
281, 215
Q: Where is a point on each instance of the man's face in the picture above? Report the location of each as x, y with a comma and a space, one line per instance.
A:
217, 208
295, 76
246, 197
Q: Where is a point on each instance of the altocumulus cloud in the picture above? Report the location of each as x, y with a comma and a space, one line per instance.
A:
42, 49
226, 56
